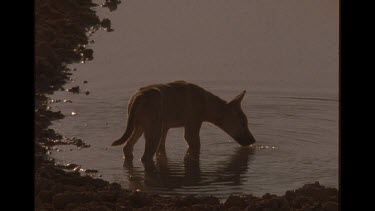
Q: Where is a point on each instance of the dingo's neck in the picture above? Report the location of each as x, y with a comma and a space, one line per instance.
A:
214, 108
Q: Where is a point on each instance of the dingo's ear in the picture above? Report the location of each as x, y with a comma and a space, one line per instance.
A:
237, 100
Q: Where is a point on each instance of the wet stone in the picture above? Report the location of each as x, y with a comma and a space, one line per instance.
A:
87, 54
111, 4
71, 166
106, 23
268, 196
91, 171
74, 90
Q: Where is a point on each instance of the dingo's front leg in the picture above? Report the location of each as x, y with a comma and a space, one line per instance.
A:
161, 148
192, 137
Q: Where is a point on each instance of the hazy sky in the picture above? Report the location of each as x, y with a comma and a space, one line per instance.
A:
291, 43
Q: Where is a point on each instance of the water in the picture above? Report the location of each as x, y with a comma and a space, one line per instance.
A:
293, 116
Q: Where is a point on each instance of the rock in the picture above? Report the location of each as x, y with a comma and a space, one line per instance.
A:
268, 196
111, 4
139, 199
77, 169
62, 199
74, 90
254, 207
283, 204
42, 184
309, 208
276, 203
85, 82
203, 207
87, 54
235, 201
74, 173
58, 188
301, 201
186, 201
290, 195
45, 196
122, 207
107, 196
331, 206
99, 183
91, 171
210, 200
106, 23
100, 208
115, 186
235, 208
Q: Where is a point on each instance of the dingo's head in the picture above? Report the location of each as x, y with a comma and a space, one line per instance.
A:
234, 122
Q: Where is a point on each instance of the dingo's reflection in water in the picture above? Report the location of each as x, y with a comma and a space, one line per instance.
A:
164, 175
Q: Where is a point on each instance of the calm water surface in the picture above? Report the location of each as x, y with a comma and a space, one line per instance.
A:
296, 126
297, 142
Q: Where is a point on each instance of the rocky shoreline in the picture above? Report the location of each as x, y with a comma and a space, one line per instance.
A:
62, 32
57, 189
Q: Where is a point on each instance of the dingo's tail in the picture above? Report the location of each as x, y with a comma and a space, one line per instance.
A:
129, 127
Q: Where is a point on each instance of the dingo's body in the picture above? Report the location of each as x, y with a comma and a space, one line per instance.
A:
154, 109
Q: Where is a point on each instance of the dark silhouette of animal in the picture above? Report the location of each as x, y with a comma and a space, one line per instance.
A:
154, 109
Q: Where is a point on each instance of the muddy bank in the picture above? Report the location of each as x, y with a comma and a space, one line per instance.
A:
62, 36
57, 189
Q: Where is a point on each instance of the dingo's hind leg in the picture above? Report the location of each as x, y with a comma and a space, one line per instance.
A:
129, 145
152, 139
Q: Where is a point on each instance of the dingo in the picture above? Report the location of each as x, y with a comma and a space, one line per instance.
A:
154, 109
